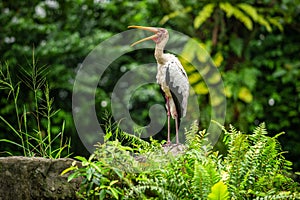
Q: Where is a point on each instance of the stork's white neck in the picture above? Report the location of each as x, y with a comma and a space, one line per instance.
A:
159, 54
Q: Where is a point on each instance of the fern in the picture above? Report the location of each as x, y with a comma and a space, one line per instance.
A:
205, 176
254, 168
256, 17
194, 137
174, 14
237, 13
162, 184
219, 192
203, 15
135, 141
255, 164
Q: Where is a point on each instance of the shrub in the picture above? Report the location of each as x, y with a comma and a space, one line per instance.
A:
254, 167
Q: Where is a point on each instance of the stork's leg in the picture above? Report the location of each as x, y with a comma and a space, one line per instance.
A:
169, 114
176, 126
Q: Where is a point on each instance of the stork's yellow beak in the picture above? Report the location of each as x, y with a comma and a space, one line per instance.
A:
152, 29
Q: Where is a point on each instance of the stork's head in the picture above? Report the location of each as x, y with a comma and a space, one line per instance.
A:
161, 35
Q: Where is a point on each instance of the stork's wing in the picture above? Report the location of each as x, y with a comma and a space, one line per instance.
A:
178, 83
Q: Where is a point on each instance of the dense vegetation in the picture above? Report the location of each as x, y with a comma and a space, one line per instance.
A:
254, 44
253, 168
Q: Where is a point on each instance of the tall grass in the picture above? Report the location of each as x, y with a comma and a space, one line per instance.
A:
32, 127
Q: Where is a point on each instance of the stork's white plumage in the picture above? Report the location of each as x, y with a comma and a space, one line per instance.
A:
171, 77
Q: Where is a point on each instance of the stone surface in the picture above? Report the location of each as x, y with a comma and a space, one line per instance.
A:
168, 149
174, 149
27, 178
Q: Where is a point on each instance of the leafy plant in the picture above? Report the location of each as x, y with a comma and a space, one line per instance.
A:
260, 69
219, 191
34, 131
97, 179
254, 167
252, 45
105, 174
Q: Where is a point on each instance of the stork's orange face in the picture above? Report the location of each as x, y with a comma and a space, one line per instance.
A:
160, 34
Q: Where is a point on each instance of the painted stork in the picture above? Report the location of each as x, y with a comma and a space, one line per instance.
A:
171, 77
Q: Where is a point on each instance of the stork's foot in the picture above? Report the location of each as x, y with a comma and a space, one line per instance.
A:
170, 144
174, 149
177, 144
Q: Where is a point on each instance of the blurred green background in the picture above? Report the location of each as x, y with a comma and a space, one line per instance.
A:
254, 43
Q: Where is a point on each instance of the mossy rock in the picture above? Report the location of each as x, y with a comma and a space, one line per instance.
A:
35, 178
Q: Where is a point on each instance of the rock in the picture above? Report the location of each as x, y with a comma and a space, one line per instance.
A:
28, 178
167, 149
174, 149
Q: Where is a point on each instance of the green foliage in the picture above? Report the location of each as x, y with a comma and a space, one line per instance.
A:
254, 44
233, 11
254, 167
34, 131
203, 15
219, 191
97, 179
62, 34
244, 12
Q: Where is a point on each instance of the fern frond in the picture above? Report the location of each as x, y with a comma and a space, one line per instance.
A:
256, 17
255, 165
193, 139
205, 176
163, 184
134, 140
250, 10
260, 130
237, 13
262, 21
175, 14
276, 22
203, 15
233, 130
219, 191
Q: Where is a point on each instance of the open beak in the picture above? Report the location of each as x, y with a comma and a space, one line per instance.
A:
152, 29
